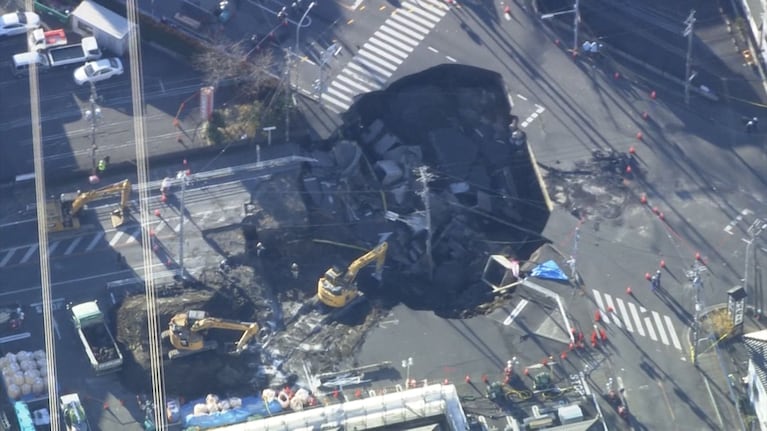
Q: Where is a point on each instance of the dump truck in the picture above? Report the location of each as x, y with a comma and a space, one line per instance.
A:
74, 413
100, 346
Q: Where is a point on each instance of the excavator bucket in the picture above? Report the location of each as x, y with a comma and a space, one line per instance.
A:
118, 217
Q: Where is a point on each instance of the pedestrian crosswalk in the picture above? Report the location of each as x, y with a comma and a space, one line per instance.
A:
94, 241
384, 52
637, 319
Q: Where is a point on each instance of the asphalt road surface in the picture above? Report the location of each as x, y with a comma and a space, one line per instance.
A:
698, 167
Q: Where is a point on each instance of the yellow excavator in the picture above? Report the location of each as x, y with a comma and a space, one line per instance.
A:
186, 333
337, 289
62, 213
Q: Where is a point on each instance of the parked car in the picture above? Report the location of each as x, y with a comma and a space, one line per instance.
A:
16, 23
99, 70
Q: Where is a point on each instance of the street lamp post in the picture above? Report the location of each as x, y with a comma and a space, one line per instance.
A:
301, 22
576, 20
407, 363
289, 68
183, 177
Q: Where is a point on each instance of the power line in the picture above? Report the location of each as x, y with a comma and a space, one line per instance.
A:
142, 161
42, 232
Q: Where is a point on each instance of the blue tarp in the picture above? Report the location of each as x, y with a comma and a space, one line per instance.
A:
549, 270
251, 407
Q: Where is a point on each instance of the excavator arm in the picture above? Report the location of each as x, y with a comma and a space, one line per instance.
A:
123, 187
377, 255
62, 213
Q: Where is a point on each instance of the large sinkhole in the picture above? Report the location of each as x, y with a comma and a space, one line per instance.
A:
437, 158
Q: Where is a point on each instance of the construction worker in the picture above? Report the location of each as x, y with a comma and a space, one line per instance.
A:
655, 281
509, 369
294, 270
102, 166
260, 248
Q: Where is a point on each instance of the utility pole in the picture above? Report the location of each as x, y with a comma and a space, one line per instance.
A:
697, 285
689, 32
576, 22
183, 177
93, 114
288, 92
572, 261
754, 231
424, 177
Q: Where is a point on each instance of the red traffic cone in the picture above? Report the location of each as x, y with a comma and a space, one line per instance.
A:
445, 382
628, 169
645, 115
628, 291
602, 334
640, 136
164, 198
655, 210
610, 309
597, 316
662, 216
632, 150
697, 255
653, 95
647, 276
663, 264
616, 75
571, 346
157, 213
485, 380
526, 372
563, 356
643, 198
467, 379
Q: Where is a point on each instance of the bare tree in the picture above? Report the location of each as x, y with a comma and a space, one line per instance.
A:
224, 60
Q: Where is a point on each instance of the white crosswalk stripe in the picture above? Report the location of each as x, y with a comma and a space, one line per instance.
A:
602, 308
648, 323
8, 256
115, 239
611, 306
380, 57
672, 333
73, 246
659, 324
637, 319
52, 248
624, 316
29, 254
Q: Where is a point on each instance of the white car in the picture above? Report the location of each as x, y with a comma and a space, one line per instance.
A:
99, 70
16, 23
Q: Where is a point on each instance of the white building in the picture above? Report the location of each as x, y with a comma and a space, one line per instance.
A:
756, 344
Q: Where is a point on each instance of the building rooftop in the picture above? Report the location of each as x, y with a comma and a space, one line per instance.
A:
756, 344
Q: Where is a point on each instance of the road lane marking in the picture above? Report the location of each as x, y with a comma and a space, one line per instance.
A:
115, 239
410, 22
383, 53
53, 247
601, 306
713, 403
610, 305
521, 97
72, 246
28, 255
637, 319
659, 324
8, 256
350, 82
403, 29
95, 241
672, 332
625, 316
515, 312
132, 236
648, 323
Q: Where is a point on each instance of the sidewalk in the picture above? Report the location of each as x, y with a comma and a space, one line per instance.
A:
722, 366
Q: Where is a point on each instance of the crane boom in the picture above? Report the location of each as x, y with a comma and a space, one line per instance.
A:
378, 254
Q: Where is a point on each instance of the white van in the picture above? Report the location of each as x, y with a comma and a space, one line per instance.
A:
22, 62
